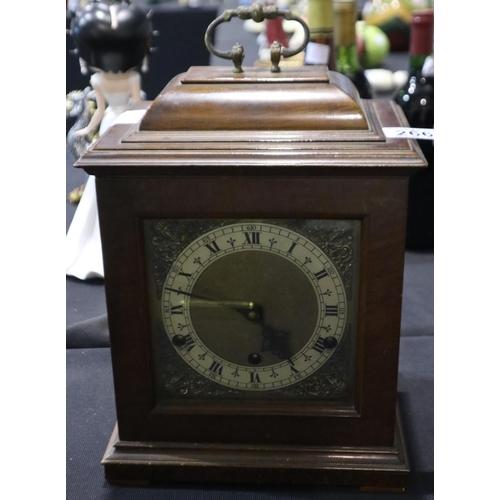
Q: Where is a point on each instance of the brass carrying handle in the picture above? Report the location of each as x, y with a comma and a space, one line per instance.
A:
258, 13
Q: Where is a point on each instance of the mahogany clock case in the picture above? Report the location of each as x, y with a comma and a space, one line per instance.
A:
350, 175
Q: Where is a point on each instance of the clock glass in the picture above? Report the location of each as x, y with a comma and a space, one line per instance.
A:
253, 308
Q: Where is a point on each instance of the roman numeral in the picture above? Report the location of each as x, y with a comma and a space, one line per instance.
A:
213, 247
175, 309
189, 343
252, 238
319, 345
331, 310
254, 378
290, 250
182, 273
216, 368
292, 367
321, 274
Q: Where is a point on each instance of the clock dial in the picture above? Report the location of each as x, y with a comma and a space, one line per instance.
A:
254, 306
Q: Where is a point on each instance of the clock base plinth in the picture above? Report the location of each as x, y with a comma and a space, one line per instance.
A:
129, 463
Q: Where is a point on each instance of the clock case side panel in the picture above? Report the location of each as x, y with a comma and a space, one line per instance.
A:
381, 205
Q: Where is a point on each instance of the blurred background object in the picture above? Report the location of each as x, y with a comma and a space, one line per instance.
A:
393, 17
416, 98
74, 5
373, 45
178, 45
113, 41
318, 14
346, 47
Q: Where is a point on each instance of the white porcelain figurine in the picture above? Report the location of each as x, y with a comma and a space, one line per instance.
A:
112, 40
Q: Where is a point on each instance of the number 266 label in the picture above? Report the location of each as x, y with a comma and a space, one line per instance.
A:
408, 133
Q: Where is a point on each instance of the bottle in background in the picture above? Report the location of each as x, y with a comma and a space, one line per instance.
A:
344, 30
416, 98
320, 49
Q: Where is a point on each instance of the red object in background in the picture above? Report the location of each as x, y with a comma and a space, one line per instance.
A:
275, 32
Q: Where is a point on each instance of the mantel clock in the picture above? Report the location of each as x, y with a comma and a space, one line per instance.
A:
253, 233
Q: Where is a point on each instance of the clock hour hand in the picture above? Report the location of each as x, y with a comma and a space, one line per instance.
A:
276, 341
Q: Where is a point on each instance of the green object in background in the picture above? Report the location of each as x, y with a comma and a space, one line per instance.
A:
393, 17
346, 46
373, 45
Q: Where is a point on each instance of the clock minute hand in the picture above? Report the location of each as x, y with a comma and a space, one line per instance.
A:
249, 310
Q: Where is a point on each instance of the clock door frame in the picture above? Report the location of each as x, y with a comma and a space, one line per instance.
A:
379, 202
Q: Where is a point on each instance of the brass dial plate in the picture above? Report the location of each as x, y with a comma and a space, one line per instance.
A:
253, 307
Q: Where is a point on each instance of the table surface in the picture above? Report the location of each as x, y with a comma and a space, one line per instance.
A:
90, 398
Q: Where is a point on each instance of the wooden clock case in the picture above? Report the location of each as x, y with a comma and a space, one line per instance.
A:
297, 144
